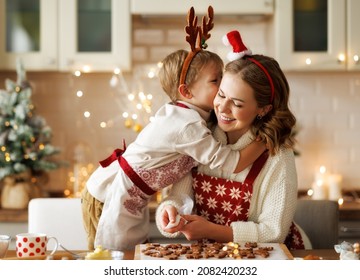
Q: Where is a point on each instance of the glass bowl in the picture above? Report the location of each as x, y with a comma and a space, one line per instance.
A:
4, 245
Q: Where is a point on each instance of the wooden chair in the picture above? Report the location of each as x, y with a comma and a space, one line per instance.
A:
320, 221
61, 218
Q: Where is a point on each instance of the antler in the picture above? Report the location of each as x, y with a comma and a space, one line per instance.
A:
196, 34
192, 29
206, 27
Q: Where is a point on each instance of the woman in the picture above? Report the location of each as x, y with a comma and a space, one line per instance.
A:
257, 204
117, 193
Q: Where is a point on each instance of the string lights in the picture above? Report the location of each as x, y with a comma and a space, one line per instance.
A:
135, 102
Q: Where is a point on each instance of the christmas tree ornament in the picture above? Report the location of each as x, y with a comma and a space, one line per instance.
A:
128, 123
137, 127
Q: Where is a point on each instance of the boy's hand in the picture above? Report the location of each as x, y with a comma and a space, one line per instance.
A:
171, 221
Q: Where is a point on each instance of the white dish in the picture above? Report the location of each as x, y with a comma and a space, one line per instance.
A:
115, 255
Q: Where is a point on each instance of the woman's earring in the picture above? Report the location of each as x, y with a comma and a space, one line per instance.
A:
259, 117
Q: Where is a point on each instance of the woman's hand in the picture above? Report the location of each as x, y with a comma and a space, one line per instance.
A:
198, 228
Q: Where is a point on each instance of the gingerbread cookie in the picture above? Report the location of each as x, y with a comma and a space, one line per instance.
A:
250, 250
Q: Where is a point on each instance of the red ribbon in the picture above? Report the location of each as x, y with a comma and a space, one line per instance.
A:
134, 177
181, 105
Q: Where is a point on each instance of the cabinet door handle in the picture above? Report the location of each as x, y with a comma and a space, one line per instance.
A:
349, 229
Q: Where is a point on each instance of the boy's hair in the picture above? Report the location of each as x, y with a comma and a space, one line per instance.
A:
276, 126
169, 73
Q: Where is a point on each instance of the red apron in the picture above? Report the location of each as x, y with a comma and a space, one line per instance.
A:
224, 201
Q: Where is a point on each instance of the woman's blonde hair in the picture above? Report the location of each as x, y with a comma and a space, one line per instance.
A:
275, 128
169, 73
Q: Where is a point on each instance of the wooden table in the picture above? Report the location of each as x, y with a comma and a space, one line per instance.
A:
326, 254
11, 255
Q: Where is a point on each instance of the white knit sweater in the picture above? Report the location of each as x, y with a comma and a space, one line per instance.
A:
273, 201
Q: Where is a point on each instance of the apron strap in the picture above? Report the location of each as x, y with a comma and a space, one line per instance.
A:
134, 177
256, 168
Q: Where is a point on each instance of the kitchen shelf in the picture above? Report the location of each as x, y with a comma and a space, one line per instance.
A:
13, 215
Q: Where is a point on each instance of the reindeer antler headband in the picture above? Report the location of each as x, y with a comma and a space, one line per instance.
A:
196, 34
233, 38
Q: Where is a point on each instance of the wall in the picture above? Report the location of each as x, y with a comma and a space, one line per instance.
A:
325, 104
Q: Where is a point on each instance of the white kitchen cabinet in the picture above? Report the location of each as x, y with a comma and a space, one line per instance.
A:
66, 35
353, 34
28, 30
94, 35
221, 7
307, 38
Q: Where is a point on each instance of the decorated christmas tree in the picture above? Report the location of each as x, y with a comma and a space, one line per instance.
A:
25, 138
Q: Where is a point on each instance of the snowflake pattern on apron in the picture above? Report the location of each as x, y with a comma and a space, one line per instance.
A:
223, 201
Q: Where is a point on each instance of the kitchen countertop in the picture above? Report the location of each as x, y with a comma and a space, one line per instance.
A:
21, 215
350, 210
325, 254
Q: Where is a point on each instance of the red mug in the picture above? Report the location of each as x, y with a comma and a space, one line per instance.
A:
33, 244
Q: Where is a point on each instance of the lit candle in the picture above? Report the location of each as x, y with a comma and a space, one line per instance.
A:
319, 191
321, 174
334, 182
320, 188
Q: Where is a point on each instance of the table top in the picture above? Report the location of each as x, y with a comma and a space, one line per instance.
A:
11, 255
348, 210
325, 254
